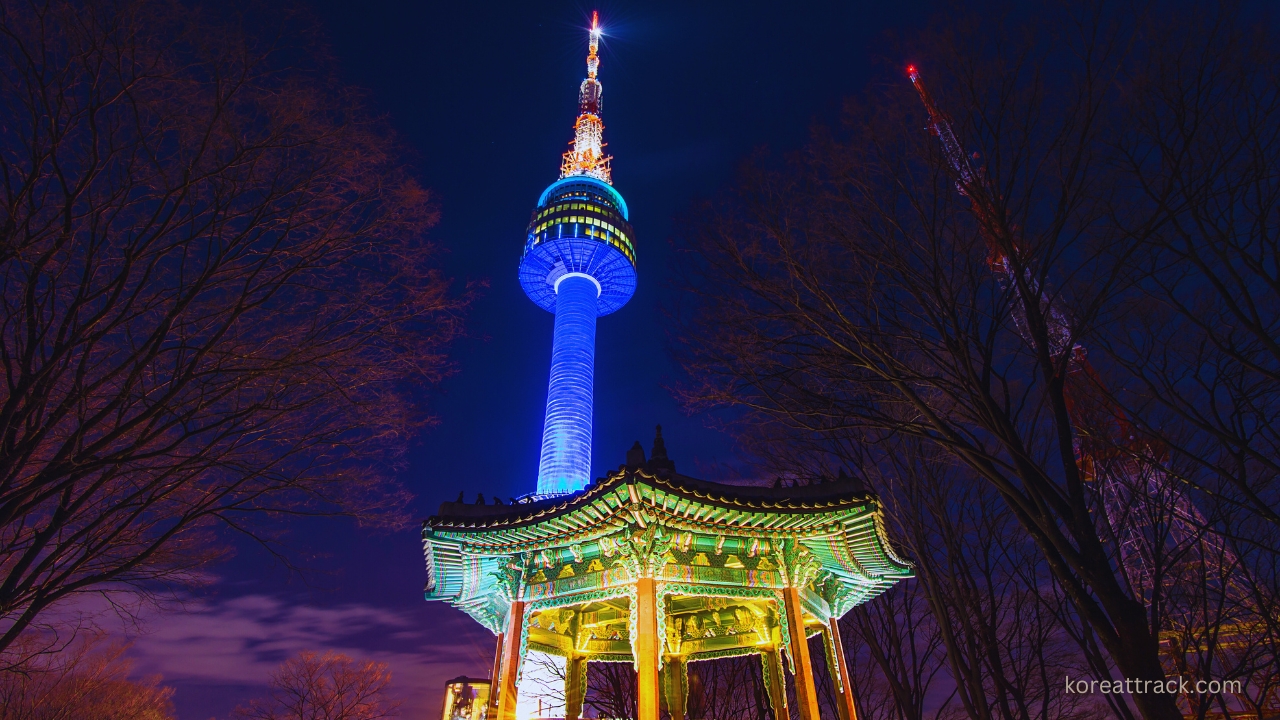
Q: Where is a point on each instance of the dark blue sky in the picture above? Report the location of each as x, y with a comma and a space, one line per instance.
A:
485, 94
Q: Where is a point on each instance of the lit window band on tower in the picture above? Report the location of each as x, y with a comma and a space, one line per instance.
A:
579, 262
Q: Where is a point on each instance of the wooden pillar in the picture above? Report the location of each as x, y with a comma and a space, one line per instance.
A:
575, 686
675, 686
491, 705
510, 663
646, 650
775, 683
838, 668
806, 693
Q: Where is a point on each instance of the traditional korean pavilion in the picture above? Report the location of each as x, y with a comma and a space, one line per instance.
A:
658, 569
645, 565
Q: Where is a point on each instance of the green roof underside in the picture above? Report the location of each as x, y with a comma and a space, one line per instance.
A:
721, 537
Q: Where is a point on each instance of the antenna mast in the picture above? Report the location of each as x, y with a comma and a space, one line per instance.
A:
587, 156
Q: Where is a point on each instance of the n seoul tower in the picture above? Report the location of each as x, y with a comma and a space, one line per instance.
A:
579, 263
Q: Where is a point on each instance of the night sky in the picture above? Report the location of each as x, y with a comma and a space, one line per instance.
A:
485, 95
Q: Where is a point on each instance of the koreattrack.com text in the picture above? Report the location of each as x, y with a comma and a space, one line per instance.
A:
1171, 686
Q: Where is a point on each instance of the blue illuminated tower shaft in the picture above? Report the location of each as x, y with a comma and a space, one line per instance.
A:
579, 262
566, 434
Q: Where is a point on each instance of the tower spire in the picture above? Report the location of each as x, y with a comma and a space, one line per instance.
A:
587, 156
593, 45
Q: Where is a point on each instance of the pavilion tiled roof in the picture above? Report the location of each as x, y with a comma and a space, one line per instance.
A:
837, 521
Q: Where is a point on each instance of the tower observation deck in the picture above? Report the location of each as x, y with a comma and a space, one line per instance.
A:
579, 262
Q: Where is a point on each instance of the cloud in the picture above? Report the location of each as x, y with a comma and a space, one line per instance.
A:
237, 643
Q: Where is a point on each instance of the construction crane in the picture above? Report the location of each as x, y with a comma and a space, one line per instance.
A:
1128, 473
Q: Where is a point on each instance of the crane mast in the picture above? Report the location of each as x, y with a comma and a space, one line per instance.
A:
973, 183
941, 126
1119, 465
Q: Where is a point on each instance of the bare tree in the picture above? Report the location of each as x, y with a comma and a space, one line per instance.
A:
851, 294
894, 652
214, 290
978, 632
88, 679
331, 686
985, 585
1197, 351
542, 681
611, 689
1203, 151
732, 688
